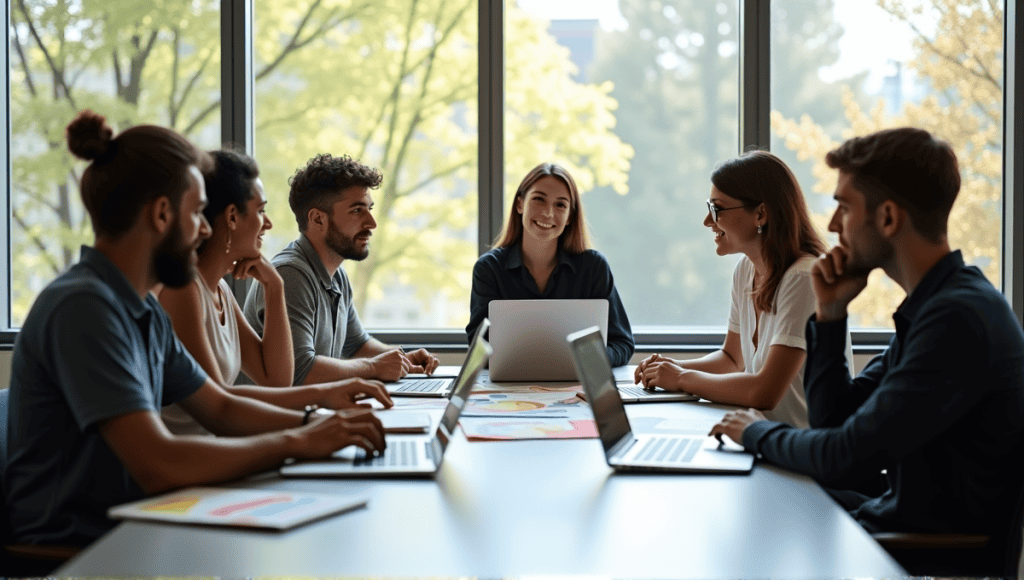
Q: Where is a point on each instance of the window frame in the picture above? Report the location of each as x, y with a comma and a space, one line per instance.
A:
237, 93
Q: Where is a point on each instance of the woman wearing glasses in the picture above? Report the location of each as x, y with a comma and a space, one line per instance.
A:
757, 210
544, 252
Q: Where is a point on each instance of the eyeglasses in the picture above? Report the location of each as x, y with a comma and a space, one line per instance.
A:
714, 210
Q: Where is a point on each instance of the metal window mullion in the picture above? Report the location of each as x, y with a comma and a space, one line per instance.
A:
1013, 167
755, 74
236, 88
5, 219
491, 113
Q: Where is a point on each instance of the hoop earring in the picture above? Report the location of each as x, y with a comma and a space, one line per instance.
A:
227, 249
758, 229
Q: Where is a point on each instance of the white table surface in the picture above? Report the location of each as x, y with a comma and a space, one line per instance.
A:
517, 508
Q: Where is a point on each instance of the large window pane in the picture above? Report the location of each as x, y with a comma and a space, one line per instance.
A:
639, 99
392, 83
934, 64
136, 62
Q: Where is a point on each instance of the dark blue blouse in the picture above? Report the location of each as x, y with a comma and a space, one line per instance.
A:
501, 275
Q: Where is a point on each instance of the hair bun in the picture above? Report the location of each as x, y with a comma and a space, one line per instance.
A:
89, 135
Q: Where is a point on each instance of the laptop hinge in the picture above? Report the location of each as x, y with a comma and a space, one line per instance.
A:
621, 445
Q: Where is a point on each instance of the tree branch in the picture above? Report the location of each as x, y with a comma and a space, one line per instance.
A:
57, 73
37, 241
193, 80
172, 108
433, 177
201, 117
23, 60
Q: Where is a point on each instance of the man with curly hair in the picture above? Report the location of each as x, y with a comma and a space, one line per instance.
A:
331, 200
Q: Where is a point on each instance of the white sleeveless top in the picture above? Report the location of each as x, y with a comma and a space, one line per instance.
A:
794, 304
227, 351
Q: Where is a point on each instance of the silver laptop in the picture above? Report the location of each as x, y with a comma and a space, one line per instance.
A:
634, 393
433, 385
405, 455
528, 337
626, 451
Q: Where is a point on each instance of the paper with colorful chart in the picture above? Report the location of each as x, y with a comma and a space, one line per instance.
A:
251, 508
527, 412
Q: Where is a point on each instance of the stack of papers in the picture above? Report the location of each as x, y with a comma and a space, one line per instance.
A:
251, 508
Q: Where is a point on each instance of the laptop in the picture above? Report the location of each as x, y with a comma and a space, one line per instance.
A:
430, 386
634, 393
626, 451
528, 337
407, 455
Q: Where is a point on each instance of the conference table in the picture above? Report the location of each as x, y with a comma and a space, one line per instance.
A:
501, 509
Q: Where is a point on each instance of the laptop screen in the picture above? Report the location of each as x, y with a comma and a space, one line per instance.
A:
475, 360
595, 372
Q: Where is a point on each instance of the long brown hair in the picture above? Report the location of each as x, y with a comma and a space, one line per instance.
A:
574, 238
758, 177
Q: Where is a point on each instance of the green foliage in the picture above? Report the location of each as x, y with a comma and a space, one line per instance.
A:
391, 82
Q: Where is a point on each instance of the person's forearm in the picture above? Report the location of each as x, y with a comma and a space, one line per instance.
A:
717, 362
620, 351
212, 460
738, 388
831, 394
239, 416
296, 397
278, 364
326, 369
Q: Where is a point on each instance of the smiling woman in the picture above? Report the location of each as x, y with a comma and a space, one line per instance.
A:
756, 210
544, 252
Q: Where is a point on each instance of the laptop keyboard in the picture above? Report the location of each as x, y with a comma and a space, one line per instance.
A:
420, 386
398, 454
670, 450
635, 391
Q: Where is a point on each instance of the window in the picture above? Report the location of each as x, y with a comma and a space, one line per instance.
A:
394, 85
138, 62
860, 68
640, 99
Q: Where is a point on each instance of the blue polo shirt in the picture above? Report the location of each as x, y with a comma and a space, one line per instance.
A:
501, 275
941, 410
89, 350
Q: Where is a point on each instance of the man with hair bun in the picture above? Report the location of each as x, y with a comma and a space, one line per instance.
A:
332, 204
941, 410
97, 358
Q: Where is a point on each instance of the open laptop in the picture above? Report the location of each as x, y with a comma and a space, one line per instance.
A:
433, 385
528, 337
405, 455
626, 451
631, 392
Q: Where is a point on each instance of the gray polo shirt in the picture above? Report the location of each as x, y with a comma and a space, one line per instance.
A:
323, 320
89, 350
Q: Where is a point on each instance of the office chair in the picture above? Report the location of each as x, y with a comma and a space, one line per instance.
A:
22, 560
928, 554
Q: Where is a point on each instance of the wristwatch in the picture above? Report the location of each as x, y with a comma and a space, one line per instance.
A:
310, 409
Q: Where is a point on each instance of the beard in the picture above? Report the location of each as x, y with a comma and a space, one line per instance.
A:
345, 246
172, 259
872, 251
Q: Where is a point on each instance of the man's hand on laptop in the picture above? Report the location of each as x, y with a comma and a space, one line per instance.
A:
392, 365
734, 423
346, 394
426, 362
323, 436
